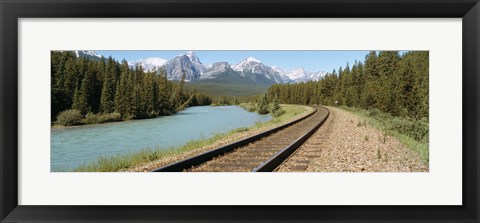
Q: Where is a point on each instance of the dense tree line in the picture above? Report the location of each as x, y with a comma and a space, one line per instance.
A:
106, 86
393, 83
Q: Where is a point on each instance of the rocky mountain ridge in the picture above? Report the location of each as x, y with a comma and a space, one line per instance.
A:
250, 69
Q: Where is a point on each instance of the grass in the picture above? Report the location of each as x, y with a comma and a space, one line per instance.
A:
360, 123
412, 133
250, 106
383, 138
129, 160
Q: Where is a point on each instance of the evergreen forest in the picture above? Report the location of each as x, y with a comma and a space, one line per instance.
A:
93, 91
102, 90
391, 82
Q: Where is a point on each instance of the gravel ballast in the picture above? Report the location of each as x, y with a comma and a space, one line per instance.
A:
346, 143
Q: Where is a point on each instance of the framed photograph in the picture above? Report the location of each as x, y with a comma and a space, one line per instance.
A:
227, 111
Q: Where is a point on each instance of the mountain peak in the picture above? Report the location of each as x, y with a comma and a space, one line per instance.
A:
278, 69
249, 63
300, 75
187, 63
215, 70
222, 63
282, 73
190, 54
150, 63
252, 59
87, 53
297, 74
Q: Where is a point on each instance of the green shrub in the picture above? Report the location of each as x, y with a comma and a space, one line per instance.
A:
153, 156
248, 106
417, 129
242, 129
373, 112
69, 117
112, 117
278, 113
90, 118
263, 110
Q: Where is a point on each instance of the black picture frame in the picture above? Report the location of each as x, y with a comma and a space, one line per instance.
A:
12, 10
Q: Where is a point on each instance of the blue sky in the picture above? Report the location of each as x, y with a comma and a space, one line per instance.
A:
287, 60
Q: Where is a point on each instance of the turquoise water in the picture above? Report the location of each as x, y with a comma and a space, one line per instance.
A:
75, 145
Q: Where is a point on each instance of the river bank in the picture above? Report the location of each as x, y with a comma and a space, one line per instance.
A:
140, 133
292, 112
72, 147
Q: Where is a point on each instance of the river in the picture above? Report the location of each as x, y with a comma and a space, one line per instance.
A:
73, 146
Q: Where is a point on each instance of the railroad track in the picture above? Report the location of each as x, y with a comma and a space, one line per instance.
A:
263, 152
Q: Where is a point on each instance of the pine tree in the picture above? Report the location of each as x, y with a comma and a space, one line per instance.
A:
80, 102
70, 81
263, 106
59, 100
276, 104
371, 95
107, 101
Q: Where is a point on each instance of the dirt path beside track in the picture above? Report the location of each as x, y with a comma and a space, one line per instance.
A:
345, 144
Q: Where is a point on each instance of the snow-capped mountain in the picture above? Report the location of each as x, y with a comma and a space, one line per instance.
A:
222, 73
300, 75
315, 76
92, 55
297, 74
249, 70
254, 69
87, 53
187, 63
150, 64
249, 64
216, 69
282, 73
278, 70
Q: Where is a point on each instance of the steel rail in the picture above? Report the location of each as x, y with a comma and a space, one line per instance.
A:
209, 155
277, 159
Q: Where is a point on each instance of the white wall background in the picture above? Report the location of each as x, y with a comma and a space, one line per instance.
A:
442, 185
